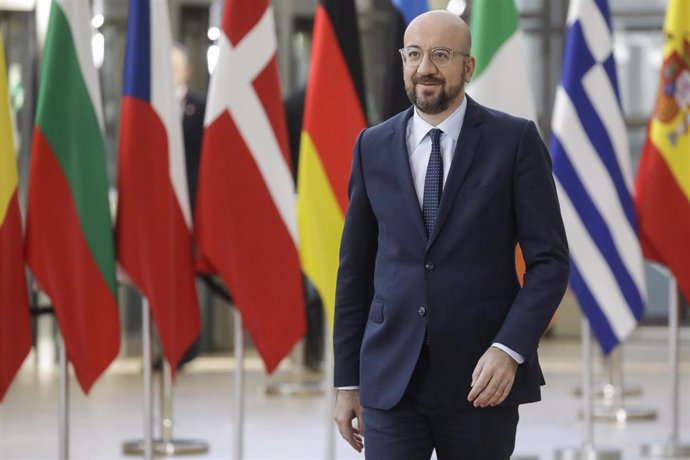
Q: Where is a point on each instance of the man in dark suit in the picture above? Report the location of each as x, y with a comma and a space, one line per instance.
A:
193, 107
435, 340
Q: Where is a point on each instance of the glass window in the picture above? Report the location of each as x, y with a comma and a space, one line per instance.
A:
638, 57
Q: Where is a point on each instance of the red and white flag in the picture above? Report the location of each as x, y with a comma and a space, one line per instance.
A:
245, 214
154, 235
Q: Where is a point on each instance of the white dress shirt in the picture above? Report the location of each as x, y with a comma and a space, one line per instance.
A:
419, 145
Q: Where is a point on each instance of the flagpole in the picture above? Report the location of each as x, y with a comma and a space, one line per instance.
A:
148, 387
587, 379
63, 428
238, 434
167, 445
611, 407
329, 392
587, 451
145, 446
148, 447
672, 447
166, 404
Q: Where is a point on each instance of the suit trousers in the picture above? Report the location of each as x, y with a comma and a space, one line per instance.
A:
418, 424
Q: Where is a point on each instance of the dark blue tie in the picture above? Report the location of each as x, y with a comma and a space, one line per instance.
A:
433, 182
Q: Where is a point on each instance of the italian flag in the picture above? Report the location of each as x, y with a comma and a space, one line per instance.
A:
500, 80
69, 237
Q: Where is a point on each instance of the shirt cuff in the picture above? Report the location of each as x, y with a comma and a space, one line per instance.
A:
512, 353
353, 387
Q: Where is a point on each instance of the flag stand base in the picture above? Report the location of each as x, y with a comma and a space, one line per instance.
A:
607, 391
587, 450
587, 453
666, 450
165, 448
612, 407
618, 414
671, 448
296, 384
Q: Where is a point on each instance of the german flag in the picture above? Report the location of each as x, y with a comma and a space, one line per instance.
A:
333, 116
662, 188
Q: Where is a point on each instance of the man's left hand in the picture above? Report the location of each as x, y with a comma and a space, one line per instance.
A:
492, 378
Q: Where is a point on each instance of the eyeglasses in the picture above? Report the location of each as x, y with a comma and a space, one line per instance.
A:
440, 56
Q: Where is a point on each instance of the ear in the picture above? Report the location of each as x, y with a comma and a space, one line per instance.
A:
470, 65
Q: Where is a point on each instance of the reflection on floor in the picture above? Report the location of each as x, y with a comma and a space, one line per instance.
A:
282, 428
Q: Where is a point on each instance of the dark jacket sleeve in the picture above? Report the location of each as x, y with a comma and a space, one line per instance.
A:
541, 235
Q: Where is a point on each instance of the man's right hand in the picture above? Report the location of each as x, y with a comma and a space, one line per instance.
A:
347, 408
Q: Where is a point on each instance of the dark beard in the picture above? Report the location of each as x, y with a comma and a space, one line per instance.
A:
437, 104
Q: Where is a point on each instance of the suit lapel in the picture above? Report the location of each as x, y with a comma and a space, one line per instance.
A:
465, 151
403, 174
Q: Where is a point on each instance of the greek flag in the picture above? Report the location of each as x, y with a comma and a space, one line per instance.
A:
591, 160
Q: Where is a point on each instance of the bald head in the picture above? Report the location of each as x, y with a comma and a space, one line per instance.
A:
437, 63
436, 27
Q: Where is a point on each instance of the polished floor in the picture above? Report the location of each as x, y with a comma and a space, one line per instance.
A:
295, 427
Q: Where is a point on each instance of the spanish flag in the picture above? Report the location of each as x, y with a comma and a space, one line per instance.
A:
333, 116
15, 330
662, 188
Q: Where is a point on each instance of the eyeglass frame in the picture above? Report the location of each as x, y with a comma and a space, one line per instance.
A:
403, 54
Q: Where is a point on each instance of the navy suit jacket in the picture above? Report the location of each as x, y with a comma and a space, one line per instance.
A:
499, 192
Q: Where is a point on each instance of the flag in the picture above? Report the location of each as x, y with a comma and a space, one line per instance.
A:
333, 117
154, 236
15, 329
245, 210
69, 235
500, 79
395, 99
591, 162
662, 187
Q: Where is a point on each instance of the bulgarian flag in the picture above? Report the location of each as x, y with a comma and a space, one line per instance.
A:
15, 330
69, 235
154, 234
500, 80
662, 187
333, 117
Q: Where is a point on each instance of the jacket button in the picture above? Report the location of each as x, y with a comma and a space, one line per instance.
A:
421, 311
429, 266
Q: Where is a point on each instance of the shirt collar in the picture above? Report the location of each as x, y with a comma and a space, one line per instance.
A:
450, 126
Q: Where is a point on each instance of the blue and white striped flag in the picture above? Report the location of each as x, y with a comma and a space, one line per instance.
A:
591, 161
